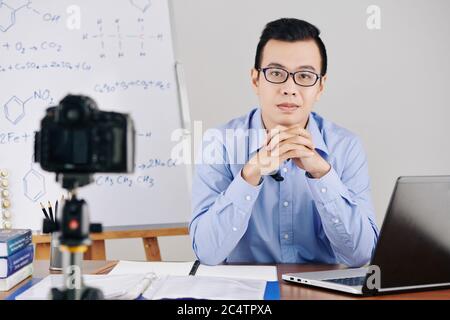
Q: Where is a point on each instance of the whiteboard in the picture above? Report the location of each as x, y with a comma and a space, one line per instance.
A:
121, 54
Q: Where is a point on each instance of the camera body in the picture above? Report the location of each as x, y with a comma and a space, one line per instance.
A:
77, 138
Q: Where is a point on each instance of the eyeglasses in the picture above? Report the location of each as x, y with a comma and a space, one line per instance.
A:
279, 75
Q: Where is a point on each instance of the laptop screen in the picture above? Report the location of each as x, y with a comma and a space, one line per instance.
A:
414, 244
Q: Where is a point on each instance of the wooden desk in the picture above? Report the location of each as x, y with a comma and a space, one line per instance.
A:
288, 291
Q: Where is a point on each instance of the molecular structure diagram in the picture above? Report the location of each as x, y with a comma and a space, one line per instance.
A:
8, 11
34, 185
14, 108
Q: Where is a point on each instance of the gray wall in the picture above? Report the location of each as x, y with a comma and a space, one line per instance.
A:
389, 86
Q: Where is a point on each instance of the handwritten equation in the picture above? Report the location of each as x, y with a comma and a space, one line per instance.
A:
126, 181
126, 85
23, 48
51, 65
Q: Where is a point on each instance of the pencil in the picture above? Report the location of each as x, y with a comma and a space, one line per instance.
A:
44, 211
56, 207
56, 210
194, 268
50, 210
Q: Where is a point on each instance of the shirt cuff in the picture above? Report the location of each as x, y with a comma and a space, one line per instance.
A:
242, 194
327, 188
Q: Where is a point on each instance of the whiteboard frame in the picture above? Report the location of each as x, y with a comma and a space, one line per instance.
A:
183, 99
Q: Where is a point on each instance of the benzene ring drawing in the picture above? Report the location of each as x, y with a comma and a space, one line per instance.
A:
8, 10
14, 110
34, 185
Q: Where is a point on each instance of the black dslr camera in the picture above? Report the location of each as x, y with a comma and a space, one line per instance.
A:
75, 141
76, 137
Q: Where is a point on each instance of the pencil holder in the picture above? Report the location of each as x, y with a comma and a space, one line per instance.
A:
55, 253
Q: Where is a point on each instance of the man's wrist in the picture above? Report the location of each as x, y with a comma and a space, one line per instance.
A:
320, 173
251, 174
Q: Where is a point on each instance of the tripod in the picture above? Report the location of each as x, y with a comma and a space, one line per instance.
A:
74, 240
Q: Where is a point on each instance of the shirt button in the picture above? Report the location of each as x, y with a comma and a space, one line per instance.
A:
234, 229
248, 198
285, 170
336, 220
285, 203
323, 190
286, 236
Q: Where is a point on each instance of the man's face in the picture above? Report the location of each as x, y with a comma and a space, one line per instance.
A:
288, 103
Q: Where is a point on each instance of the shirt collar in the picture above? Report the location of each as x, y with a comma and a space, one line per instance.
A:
257, 133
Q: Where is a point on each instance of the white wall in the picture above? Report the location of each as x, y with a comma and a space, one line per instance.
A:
389, 86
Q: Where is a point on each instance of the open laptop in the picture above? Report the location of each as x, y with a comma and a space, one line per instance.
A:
413, 249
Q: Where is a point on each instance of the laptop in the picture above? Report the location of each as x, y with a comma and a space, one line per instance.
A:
413, 249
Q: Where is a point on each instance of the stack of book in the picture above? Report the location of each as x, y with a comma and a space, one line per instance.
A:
16, 257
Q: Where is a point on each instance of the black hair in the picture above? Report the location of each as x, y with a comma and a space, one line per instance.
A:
291, 29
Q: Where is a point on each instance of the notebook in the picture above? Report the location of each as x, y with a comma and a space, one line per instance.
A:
175, 280
211, 288
170, 280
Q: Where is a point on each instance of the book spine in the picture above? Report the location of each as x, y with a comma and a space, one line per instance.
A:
18, 243
7, 283
19, 260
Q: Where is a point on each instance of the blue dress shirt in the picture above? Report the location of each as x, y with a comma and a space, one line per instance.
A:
298, 220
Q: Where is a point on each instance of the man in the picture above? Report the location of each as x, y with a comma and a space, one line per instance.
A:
303, 193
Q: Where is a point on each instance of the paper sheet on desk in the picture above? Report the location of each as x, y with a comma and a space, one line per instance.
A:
124, 287
213, 288
255, 272
158, 268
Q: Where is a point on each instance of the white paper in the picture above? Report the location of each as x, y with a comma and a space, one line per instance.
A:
212, 288
112, 286
158, 268
266, 273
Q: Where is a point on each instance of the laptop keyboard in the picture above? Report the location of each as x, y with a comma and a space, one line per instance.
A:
356, 281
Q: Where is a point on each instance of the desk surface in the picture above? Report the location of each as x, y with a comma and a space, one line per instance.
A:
288, 291
41, 270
